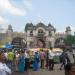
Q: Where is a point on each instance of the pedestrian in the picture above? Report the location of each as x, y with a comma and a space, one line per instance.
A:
47, 52
16, 59
51, 59
42, 58
36, 62
64, 59
4, 69
10, 58
73, 53
27, 62
21, 62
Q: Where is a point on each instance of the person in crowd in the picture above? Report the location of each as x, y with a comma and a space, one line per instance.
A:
70, 57
47, 59
51, 59
5, 53
4, 69
27, 62
73, 53
17, 59
21, 62
42, 58
10, 57
70, 69
64, 59
36, 61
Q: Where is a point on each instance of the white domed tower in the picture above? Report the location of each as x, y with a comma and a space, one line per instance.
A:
9, 29
68, 30
9, 33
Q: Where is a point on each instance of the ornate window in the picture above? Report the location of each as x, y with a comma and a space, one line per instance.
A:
40, 32
31, 33
50, 34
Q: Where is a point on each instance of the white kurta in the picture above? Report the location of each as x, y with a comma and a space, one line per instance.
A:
4, 69
51, 54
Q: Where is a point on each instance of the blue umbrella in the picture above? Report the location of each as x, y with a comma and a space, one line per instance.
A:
8, 46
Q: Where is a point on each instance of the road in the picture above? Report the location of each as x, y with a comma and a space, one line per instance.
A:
42, 72
56, 71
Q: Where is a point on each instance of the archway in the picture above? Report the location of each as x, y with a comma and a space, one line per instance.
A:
40, 43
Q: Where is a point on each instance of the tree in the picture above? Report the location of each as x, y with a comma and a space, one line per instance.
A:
69, 40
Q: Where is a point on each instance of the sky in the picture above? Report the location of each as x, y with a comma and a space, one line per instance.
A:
60, 13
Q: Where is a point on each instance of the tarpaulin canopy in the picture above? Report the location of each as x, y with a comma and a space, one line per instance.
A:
8, 46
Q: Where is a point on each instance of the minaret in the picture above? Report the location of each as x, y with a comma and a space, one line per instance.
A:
9, 33
9, 30
68, 30
52, 29
51, 35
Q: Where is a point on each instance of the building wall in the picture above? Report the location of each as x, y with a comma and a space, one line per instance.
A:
49, 40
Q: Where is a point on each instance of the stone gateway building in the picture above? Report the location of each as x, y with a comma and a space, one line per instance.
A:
39, 35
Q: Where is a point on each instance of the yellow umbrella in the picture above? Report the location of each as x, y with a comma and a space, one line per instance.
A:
57, 49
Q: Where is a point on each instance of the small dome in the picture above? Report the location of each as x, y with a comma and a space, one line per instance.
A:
40, 25
68, 28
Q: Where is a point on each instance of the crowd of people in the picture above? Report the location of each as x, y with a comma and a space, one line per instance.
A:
22, 61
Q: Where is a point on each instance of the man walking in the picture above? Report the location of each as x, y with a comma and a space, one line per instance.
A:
51, 61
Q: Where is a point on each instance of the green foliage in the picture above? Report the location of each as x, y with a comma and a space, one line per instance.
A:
69, 40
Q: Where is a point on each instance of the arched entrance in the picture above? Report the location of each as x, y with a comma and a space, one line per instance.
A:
40, 43
19, 42
41, 38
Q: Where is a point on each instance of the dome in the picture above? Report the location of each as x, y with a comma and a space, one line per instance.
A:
40, 25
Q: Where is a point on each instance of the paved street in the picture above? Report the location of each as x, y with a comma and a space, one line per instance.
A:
42, 72
56, 71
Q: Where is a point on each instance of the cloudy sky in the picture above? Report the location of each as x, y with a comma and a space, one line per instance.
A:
60, 13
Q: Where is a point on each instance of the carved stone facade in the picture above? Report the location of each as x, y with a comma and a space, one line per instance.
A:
39, 35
